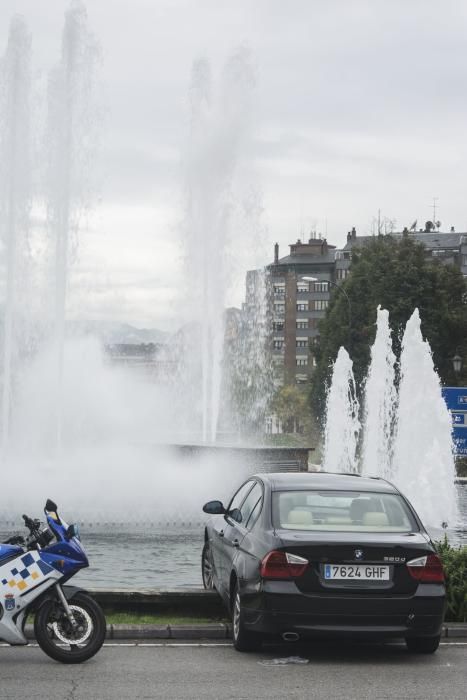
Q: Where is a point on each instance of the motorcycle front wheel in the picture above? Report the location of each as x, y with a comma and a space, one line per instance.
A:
62, 641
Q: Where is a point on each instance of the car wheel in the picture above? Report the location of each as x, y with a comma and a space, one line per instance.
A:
207, 568
422, 645
243, 639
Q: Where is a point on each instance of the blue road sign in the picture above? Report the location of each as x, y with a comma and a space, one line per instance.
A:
456, 401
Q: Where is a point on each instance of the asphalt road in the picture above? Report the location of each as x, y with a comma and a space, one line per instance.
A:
193, 670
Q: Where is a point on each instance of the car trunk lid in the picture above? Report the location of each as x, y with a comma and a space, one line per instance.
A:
373, 550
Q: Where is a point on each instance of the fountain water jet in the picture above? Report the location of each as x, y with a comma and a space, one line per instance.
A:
15, 192
423, 464
69, 144
379, 403
219, 129
342, 423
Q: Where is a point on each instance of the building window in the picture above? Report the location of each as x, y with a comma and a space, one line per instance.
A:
302, 306
278, 343
279, 291
321, 287
301, 378
302, 287
301, 361
301, 343
342, 274
321, 304
278, 325
302, 323
464, 261
279, 308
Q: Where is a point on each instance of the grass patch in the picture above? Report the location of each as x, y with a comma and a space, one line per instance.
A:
115, 617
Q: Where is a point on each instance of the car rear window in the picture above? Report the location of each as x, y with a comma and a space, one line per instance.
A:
346, 511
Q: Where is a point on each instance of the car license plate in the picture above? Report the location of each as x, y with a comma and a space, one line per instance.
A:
362, 572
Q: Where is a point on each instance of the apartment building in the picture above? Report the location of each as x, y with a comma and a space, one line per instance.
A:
301, 284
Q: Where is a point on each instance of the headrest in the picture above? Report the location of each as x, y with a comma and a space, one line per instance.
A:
300, 517
374, 518
358, 507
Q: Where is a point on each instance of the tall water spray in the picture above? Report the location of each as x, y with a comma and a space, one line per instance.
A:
380, 400
15, 193
424, 466
69, 144
249, 364
219, 127
342, 422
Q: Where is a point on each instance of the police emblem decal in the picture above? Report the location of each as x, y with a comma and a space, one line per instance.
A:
358, 554
9, 602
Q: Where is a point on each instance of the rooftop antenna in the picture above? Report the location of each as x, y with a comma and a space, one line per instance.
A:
302, 223
435, 199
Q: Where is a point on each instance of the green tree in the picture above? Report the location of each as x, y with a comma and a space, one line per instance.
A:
291, 407
399, 276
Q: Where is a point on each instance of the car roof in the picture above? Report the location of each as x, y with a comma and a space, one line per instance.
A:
298, 481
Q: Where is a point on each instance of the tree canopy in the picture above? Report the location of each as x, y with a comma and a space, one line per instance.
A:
398, 275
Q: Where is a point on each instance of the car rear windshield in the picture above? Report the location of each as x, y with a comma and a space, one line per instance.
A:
346, 511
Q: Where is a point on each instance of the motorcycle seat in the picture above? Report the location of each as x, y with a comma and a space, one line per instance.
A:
9, 551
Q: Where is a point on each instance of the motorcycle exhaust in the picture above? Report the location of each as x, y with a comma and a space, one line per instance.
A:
290, 637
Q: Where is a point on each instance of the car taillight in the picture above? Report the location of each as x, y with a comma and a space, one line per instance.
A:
427, 569
282, 565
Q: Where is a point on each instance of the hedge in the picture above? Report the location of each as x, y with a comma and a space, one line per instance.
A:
455, 568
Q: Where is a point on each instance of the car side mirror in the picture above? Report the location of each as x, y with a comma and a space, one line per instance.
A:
236, 515
214, 508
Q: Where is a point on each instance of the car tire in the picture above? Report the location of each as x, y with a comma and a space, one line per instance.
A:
243, 639
207, 568
422, 645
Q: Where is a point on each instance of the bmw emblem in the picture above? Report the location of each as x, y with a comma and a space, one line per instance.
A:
358, 554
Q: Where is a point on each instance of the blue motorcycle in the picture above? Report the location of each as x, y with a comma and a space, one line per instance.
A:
68, 624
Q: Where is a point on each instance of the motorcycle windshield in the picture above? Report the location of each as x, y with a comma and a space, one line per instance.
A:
71, 548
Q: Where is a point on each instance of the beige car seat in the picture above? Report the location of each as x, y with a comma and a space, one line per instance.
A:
300, 516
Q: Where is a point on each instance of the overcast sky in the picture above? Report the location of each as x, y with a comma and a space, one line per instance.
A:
360, 106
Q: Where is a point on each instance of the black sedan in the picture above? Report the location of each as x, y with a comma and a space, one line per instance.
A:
307, 554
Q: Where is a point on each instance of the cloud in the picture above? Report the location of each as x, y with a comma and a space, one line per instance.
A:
360, 105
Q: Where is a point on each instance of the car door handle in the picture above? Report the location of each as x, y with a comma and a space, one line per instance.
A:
236, 543
221, 533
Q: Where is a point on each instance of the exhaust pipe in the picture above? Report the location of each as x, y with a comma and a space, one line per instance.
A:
290, 637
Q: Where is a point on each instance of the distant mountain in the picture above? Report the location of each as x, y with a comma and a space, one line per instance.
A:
112, 332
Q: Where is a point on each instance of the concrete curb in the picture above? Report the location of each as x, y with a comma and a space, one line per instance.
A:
219, 630
214, 630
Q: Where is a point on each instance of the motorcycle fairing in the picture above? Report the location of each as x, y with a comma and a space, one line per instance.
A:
21, 581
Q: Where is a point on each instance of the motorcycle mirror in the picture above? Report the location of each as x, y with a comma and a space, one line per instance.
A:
72, 531
50, 506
